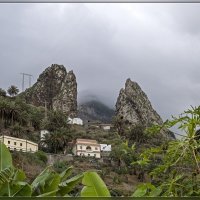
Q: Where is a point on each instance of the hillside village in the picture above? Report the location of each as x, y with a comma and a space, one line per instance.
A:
58, 89
42, 126
99, 100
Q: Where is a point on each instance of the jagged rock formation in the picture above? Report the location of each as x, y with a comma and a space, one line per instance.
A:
56, 87
95, 111
134, 106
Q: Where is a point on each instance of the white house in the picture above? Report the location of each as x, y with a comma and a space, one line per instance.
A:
17, 144
87, 148
43, 133
106, 127
77, 121
106, 147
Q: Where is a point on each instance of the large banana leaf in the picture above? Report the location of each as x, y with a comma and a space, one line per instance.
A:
5, 157
22, 189
68, 185
94, 186
11, 183
48, 194
6, 174
66, 173
46, 182
40, 179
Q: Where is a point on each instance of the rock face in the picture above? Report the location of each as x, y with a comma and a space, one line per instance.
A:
95, 111
134, 106
56, 87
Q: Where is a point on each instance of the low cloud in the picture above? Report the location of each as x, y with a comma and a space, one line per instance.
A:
156, 45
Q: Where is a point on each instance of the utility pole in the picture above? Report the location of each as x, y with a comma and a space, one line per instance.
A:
29, 75
45, 104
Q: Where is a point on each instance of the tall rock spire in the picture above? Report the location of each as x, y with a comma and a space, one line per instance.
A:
134, 106
56, 87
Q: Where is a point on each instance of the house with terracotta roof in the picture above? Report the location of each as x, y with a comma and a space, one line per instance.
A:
87, 148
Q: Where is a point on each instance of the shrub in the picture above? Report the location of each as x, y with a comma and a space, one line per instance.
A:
42, 156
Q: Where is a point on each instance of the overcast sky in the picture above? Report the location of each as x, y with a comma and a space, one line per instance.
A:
156, 45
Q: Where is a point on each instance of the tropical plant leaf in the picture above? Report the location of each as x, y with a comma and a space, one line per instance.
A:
67, 186
48, 194
140, 192
45, 182
6, 174
19, 175
94, 186
24, 190
66, 173
5, 157
39, 180
155, 192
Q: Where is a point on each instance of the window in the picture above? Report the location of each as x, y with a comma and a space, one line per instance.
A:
80, 147
96, 148
20, 144
88, 148
15, 143
15, 149
94, 155
8, 142
88, 154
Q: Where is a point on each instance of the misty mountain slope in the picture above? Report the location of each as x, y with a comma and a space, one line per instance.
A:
95, 111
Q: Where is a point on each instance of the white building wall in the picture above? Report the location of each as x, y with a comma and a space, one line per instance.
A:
19, 144
70, 120
80, 150
43, 133
83, 147
74, 150
77, 121
105, 147
89, 154
106, 127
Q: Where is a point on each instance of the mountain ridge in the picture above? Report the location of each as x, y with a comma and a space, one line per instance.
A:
95, 110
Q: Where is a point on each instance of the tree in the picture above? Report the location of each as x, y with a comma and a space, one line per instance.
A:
123, 154
137, 134
56, 120
17, 130
13, 90
56, 141
120, 125
2, 92
178, 172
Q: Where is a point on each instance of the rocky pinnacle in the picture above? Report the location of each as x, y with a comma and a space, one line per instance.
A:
56, 87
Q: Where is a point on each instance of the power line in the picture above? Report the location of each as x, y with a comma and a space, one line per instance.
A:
29, 75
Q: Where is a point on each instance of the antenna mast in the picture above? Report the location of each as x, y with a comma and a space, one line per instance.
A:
29, 75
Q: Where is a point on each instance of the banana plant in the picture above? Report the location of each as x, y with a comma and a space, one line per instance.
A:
12, 182
47, 183
94, 186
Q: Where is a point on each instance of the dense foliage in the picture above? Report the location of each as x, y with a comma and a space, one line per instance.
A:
47, 183
166, 168
16, 111
174, 167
